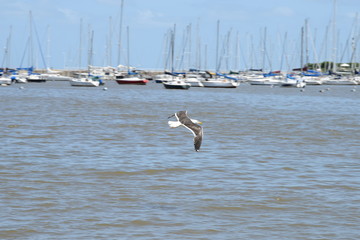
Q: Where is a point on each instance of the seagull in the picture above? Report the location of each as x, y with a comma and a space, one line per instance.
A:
191, 124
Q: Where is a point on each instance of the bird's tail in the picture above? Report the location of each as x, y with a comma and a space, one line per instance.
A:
174, 124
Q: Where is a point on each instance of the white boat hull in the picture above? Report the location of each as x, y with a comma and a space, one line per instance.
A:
83, 82
340, 82
176, 84
221, 83
36, 78
194, 80
194, 83
160, 78
56, 77
5, 81
266, 81
292, 83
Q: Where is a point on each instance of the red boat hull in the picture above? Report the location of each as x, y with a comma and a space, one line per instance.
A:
133, 82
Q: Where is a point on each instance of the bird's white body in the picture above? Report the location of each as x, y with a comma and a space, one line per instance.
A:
175, 124
191, 124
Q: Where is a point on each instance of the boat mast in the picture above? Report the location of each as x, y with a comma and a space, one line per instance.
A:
48, 56
283, 55
306, 37
227, 49
264, 49
237, 54
217, 46
172, 40
128, 49
91, 41
80, 42
334, 37
6, 59
31, 50
109, 47
166, 51
120, 30
205, 57
189, 30
302, 50
198, 47
354, 40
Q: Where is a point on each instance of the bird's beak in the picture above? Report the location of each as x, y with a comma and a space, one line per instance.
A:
172, 115
200, 123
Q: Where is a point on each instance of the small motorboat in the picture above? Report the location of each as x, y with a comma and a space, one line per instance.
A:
134, 80
220, 83
84, 82
176, 84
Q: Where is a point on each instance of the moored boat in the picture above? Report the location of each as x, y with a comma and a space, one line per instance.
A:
265, 81
55, 77
133, 80
37, 78
19, 78
292, 81
84, 82
160, 78
220, 83
194, 80
5, 81
341, 81
313, 80
176, 84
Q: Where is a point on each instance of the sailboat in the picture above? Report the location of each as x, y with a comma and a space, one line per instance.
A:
176, 82
292, 81
220, 80
31, 75
194, 80
131, 77
84, 80
5, 80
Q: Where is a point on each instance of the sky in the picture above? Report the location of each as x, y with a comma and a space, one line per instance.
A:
212, 34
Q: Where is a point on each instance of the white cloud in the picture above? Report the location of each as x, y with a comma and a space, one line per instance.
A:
69, 14
150, 17
283, 11
15, 8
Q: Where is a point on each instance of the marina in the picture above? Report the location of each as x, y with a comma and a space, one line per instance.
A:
190, 78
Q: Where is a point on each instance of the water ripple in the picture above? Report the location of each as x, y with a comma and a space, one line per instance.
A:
92, 164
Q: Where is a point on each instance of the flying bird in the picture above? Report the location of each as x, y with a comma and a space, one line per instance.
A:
191, 124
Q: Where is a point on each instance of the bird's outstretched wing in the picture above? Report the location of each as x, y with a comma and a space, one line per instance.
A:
196, 129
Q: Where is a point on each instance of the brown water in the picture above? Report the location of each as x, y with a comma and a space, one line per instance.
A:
84, 163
